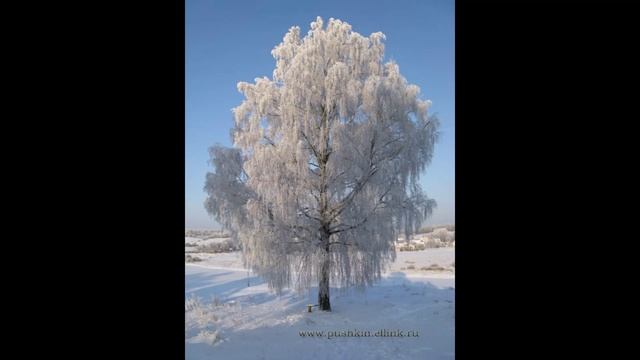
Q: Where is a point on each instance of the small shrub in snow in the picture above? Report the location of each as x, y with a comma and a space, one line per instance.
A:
411, 267
435, 267
192, 303
188, 258
414, 247
425, 230
443, 235
200, 319
208, 336
431, 244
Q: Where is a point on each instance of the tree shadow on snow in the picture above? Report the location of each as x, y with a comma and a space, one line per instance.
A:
207, 285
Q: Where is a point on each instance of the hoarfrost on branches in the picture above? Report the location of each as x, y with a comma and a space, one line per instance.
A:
327, 155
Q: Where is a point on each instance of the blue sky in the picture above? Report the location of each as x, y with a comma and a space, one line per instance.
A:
231, 41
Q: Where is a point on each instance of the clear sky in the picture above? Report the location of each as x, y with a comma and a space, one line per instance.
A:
231, 41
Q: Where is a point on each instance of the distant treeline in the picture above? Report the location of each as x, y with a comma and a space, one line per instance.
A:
213, 234
429, 229
205, 234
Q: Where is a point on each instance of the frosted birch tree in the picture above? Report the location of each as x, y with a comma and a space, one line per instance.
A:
323, 175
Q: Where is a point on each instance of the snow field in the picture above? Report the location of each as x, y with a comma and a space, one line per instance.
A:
225, 318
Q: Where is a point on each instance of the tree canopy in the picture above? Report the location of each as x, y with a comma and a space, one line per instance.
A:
324, 170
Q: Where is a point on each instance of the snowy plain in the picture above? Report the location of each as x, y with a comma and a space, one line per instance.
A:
231, 314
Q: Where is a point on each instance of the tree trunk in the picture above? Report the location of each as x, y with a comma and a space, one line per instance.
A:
323, 288
323, 159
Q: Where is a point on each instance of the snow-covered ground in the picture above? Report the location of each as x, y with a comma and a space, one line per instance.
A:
227, 319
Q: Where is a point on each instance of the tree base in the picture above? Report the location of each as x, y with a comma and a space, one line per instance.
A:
323, 303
